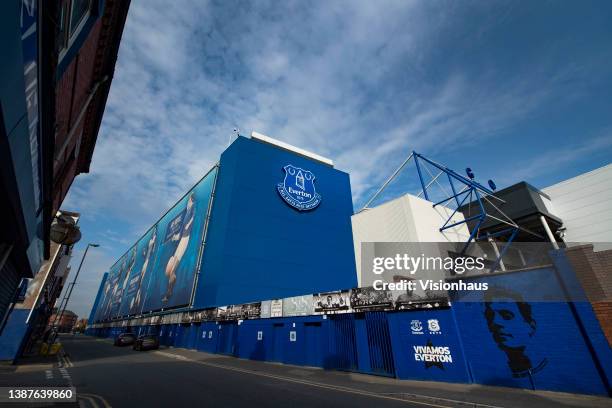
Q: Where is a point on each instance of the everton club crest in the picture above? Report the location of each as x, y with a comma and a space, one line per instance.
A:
298, 189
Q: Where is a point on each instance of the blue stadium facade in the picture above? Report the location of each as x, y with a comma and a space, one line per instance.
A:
233, 239
259, 247
256, 247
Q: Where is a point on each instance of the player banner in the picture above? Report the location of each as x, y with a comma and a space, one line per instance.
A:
331, 302
173, 249
296, 306
371, 299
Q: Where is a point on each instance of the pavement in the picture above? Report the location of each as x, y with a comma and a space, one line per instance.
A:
108, 376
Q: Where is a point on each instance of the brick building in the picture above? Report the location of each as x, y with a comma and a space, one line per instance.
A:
64, 321
58, 59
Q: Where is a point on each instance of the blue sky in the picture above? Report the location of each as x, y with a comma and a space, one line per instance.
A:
517, 91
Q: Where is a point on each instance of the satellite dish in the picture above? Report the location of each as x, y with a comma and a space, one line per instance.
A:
492, 185
469, 173
64, 230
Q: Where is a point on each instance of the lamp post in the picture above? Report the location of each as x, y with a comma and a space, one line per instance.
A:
57, 320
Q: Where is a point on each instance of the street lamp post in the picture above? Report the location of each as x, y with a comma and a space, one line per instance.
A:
57, 320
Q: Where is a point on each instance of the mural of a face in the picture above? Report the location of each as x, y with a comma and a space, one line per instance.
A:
508, 324
511, 323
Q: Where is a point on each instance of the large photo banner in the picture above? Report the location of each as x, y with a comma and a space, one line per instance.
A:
123, 269
110, 289
293, 306
133, 291
331, 302
99, 315
178, 240
371, 299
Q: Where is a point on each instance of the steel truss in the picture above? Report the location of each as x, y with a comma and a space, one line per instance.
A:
460, 190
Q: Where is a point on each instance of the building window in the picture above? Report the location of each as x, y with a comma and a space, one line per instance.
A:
73, 15
80, 9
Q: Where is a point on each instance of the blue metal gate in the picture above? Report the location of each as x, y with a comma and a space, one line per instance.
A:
379, 344
278, 342
342, 344
228, 333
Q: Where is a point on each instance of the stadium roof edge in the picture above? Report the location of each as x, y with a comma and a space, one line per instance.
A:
287, 146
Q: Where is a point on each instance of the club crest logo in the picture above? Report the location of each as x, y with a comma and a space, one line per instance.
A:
298, 189
416, 326
433, 325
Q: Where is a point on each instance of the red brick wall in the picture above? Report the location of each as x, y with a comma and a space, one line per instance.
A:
594, 270
603, 311
72, 91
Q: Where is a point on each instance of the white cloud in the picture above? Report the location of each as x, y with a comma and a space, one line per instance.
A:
361, 82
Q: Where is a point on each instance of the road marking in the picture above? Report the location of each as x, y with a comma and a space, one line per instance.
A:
92, 398
64, 361
69, 361
62, 364
174, 356
473, 404
32, 367
295, 380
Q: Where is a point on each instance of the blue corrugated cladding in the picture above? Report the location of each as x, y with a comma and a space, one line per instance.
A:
13, 334
258, 247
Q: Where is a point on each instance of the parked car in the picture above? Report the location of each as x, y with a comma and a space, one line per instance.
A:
146, 342
125, 339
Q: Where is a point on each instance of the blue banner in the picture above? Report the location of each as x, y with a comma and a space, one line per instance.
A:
121, 270
179, 235
110, 289
133, 291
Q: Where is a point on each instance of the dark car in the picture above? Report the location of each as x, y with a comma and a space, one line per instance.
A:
125, 339
146, 342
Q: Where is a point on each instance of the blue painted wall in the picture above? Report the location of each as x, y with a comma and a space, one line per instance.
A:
258, 247
556, 351
308, 347
207, 337
15, 53
539, 345
13, 334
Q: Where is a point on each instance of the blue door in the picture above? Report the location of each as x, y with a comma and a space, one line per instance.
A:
342, 344
313, 344
379, 344
278, 342
227, 338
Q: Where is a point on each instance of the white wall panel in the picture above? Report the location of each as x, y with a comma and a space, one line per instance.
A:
584, 203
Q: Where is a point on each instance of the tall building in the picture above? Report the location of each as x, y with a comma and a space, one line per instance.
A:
58, 59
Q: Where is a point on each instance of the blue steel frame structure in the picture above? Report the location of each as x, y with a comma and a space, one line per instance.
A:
463, 190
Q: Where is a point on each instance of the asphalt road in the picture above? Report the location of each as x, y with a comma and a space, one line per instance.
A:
106, 376
126, 378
